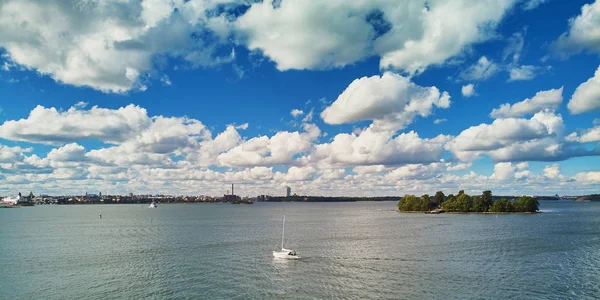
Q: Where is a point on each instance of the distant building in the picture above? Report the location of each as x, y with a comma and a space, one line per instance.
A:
288, 191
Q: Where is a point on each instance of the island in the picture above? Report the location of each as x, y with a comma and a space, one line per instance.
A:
463, 203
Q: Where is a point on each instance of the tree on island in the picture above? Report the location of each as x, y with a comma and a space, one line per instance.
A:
479, 205
438, 198
465, 203
487, 198
413, 203
502, 205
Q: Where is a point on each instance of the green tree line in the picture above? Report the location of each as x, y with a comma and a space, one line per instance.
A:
466, 203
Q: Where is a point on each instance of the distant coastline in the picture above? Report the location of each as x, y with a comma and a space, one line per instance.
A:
423, 206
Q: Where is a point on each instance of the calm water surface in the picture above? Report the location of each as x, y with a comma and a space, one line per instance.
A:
349, 250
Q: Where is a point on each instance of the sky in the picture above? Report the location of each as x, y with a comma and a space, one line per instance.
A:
331, 97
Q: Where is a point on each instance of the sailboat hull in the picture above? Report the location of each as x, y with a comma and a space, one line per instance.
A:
284, 255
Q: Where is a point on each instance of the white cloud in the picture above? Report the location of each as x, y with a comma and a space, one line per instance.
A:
584, 32
552, 171
591, 135
431, 36
68, 153
372, 147
439, 121
542, 100
514, 47
587, 136
468, 90
296, 112
106, 45
522, 165
513, 139
592, 177
296, 174
391, 101
587, 95
12, 154
525, 72
533, 4
307, 34
242, 126
278, 149
52, 126
503, 171
482, 70
410, 35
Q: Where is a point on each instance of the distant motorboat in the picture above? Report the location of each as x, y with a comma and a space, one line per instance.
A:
285, 253
153, 205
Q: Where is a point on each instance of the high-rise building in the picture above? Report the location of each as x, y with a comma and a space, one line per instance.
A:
288, 191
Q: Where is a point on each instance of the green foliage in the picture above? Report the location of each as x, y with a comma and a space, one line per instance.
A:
465, 203
526, 204
487, 198
502, 205
412, 203
462, 203
479, 205
424, 203
439, 197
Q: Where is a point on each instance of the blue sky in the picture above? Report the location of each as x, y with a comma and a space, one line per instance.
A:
328, 97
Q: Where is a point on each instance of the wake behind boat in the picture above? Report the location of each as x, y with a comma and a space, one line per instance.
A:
285, 253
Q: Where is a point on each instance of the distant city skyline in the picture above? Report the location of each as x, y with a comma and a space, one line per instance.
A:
331, 98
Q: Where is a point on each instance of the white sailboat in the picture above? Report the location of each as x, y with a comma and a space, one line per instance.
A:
153, 205
285, 253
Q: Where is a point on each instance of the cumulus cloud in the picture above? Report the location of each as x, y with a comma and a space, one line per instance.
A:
12, 154
583, 33
587, 95
410, 35
439, 121
468, 90
68, 153
516, 139
112, 46
503, 171
482, 70
592, 177
542, 100
391, 101
105, 45
440, 31
278, 149
296, 174
552, 171
587, 136
53, 126
296, 112
372, 147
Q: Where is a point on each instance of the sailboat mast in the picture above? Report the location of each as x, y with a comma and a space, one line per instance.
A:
283, 232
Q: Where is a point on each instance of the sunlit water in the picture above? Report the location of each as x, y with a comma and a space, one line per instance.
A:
349, 251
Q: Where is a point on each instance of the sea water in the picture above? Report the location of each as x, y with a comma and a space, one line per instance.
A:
359, 250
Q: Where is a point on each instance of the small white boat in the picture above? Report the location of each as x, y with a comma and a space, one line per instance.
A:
285, 253
153, 205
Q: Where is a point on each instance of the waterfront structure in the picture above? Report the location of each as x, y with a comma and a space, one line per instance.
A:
16, 200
